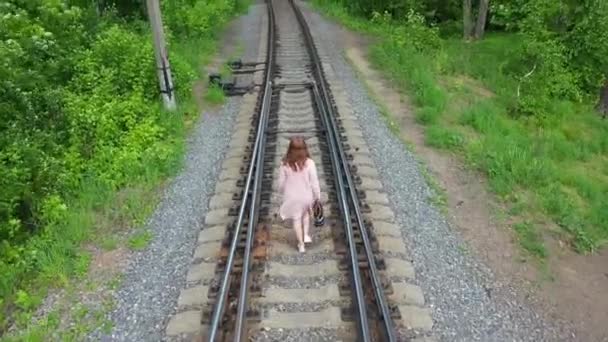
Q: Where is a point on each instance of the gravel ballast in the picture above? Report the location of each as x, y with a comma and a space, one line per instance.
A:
154, 277
468, 303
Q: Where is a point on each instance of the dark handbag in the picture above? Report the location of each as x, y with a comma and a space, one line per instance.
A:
317, 213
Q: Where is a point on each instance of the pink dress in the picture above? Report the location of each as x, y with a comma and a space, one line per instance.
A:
299, 189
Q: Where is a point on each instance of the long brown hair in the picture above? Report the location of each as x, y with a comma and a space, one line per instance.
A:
297, 154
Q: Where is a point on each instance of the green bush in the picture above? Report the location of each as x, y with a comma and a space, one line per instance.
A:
80, 119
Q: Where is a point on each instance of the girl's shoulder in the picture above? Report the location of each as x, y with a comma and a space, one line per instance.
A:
309, 162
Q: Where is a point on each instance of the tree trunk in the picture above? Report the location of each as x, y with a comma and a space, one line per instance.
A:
481, 18
603, 104
467, 19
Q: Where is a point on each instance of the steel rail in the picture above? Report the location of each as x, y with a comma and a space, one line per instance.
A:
254, 170
332, 128
256, 193
359, 295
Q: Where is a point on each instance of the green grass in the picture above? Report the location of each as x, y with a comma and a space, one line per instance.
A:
50, 328
140, 240
553, 169
109, 243
215, 95
197, 52
438, 197
115, 282
442, 137
93, 218
530, 239
559, 161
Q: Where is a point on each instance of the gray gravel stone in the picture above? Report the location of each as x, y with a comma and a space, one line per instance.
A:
305, 282
306, 307
467, 302
155, 276
310, 335
306, 259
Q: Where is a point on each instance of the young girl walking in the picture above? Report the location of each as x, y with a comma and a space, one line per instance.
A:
299, 185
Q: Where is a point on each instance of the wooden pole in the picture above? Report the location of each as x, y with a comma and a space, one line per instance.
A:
162, 61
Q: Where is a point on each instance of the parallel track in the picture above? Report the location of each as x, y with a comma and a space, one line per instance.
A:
295, 100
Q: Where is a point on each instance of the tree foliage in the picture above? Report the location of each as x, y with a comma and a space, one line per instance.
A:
566, 41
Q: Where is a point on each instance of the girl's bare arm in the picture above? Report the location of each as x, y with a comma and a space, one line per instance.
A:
282, 176
314, 180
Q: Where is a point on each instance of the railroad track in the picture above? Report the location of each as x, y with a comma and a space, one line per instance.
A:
248, 281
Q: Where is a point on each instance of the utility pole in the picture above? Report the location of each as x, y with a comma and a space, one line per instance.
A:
160, 51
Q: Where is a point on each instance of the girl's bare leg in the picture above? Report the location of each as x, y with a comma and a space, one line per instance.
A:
306, 226
297, 227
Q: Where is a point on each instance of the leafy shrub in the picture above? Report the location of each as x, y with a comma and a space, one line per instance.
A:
198, 18
79, 114
118, 62
412, 32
